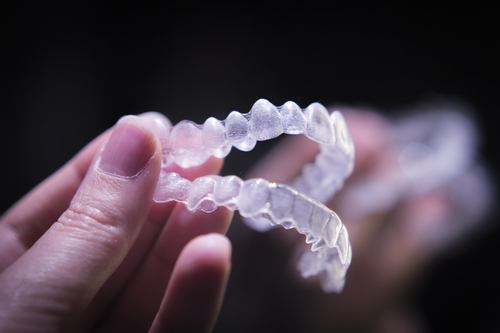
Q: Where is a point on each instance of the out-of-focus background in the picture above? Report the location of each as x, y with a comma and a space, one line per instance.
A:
69, 71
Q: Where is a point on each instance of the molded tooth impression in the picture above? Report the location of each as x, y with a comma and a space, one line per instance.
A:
237, 131
187, 145
297, 206
265, 121
214, 138
319, 124
293, 119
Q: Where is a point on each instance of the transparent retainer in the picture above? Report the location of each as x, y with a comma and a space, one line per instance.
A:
265, 204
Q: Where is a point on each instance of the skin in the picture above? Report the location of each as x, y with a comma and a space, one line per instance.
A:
89, 250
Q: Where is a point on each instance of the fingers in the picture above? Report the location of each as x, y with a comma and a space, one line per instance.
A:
148, 284
197, 287
139, 303
54, 281
30, 217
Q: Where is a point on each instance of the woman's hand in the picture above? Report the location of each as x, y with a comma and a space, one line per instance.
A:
89, 250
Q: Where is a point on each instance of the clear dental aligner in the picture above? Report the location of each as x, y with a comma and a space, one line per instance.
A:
296, 206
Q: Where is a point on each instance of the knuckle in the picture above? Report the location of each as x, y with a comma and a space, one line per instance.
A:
89, 221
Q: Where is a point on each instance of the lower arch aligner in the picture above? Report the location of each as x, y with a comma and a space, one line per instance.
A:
264, 204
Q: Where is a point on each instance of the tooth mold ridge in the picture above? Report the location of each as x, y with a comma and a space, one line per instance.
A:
298, 205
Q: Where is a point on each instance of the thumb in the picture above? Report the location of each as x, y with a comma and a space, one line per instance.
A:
53, 282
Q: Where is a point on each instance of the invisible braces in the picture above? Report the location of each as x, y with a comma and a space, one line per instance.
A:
296, 206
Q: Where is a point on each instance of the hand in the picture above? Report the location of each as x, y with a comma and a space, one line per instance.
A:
113, 260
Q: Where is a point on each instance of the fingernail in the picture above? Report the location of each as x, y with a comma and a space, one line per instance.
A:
129, 148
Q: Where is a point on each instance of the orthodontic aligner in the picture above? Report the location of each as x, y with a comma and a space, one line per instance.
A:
264, 204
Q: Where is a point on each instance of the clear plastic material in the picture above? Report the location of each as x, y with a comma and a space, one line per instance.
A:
298, 205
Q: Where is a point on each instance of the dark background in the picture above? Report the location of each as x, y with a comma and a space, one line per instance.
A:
69, 71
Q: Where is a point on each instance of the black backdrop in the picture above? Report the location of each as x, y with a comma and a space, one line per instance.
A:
69, 71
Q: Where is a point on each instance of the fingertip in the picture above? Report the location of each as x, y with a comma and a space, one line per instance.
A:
196, 289
152, 115
215, 243
207, 252
130, 147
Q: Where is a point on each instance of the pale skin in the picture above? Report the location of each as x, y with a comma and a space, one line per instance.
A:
89, 250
